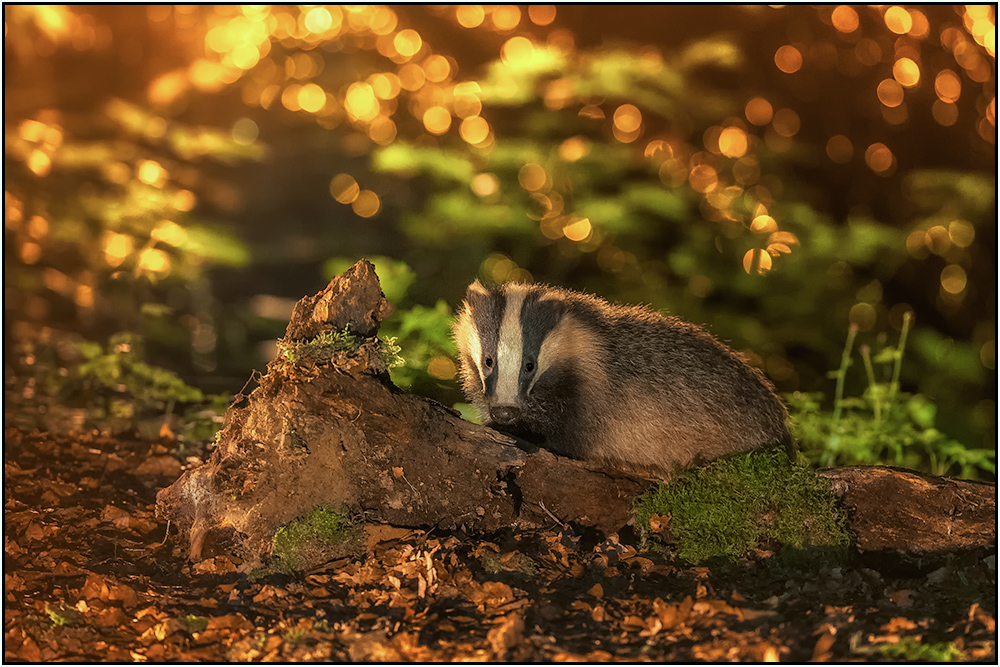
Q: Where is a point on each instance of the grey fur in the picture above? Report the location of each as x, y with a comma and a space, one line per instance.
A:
623, 384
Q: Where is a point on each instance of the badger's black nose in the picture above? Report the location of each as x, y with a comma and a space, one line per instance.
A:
505, 414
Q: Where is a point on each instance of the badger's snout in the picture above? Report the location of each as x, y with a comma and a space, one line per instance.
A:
504, 414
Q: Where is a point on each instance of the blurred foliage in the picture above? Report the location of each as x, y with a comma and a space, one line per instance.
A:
775, 171
883, 425
76, 384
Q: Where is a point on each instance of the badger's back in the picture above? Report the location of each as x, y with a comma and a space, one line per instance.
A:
622, 384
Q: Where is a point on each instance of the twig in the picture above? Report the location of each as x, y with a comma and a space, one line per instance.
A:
554, 517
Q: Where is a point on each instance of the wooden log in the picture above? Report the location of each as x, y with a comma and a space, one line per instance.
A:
903, 519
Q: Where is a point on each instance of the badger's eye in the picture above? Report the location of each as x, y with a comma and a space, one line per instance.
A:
529, 366
488, 362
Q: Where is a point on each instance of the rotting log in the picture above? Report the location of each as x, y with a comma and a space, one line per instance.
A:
906, 520
336, 431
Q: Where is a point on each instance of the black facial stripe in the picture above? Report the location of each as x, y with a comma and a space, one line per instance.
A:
487, 315
538, 318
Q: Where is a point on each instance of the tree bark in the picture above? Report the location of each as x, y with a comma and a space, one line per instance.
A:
334, 430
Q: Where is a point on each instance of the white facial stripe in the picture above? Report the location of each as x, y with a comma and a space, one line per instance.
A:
509, 351
476, 351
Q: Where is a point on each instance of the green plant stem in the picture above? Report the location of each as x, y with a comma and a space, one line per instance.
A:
876, 403
898, 362
845, 361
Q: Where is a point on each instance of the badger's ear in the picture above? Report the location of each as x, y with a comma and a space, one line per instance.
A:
476, 295
476, 288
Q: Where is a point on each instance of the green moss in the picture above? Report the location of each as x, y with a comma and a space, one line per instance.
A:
328, 343
735, 504
909, 649
389, 349
304, 541
194, 623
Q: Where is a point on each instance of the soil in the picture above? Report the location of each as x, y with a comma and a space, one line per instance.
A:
91, 574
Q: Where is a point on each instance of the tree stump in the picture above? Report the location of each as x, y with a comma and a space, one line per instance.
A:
326, 426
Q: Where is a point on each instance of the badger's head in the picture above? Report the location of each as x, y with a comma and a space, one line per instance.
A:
518, 349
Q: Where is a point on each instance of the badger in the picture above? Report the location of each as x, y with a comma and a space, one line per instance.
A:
621, 385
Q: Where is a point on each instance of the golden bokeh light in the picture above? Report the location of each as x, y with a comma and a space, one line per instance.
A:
733, 142
961, 233
627, 118
889, 92
367, 204
947, 86
39, 162
385, 86
756, 260
466, 104
151, 173
318, 19
38, 227
505, 17
382, 131
407, 42
746, 170
845, 19
517, 50
470, 16
184, 200
532, 177
786, 122
154, 260
169, 232
437, 120
625, 137
411, 77
559, 93
703, 178
344, 188
945, 113
485, 184
311, 98
574, 148
30, 253
290, 97
245, 131
442, 368
474, 130
898, 20
437, 68
763, 223
577, 229
921, 27
906, 72
383, 21
839, 149
915, 244
953, 279
937, 240
788, 59
759, 111
360, 102
542, 14
880, 159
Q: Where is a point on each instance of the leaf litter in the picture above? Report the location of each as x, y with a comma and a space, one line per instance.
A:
91, 574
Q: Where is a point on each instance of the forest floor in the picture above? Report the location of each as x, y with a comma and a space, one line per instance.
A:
90, 574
